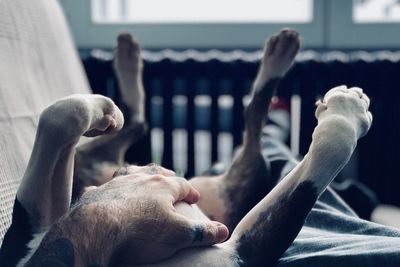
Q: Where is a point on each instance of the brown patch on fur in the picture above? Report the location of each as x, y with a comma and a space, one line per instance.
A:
277, 227
249, 179
245, 185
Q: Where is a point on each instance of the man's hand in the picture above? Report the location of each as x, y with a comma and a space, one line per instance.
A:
138, 207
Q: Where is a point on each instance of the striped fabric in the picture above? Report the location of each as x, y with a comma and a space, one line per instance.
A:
38, 64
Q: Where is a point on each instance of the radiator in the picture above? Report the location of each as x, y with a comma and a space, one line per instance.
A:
195, 101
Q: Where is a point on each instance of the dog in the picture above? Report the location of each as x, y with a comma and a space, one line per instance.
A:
120, 220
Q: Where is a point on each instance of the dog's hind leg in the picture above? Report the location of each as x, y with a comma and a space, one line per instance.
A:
128, 67
229, 197
96, 161
45, 190
271, 226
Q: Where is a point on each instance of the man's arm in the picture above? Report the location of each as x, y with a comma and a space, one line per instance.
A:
129, 220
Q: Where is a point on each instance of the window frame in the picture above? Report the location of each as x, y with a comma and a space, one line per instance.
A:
172, 35
332, 28
346, 34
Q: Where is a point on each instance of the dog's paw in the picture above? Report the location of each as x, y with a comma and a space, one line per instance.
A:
105, 117
77, 115
127, 56
279, 53
351, 104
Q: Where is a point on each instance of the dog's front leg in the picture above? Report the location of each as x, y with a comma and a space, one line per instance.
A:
45, 190
271, 226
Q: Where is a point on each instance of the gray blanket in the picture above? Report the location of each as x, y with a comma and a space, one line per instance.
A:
333, 235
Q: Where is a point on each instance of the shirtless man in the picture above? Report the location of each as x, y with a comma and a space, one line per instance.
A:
105, 226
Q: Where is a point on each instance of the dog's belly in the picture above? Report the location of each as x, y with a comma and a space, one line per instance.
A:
215, 256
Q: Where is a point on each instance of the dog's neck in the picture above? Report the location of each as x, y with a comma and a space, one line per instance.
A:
76, 241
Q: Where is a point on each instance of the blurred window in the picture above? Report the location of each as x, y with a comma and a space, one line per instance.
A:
202, 11
376, 11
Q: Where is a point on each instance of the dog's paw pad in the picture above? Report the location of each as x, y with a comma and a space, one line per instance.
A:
349, 103
105, 117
